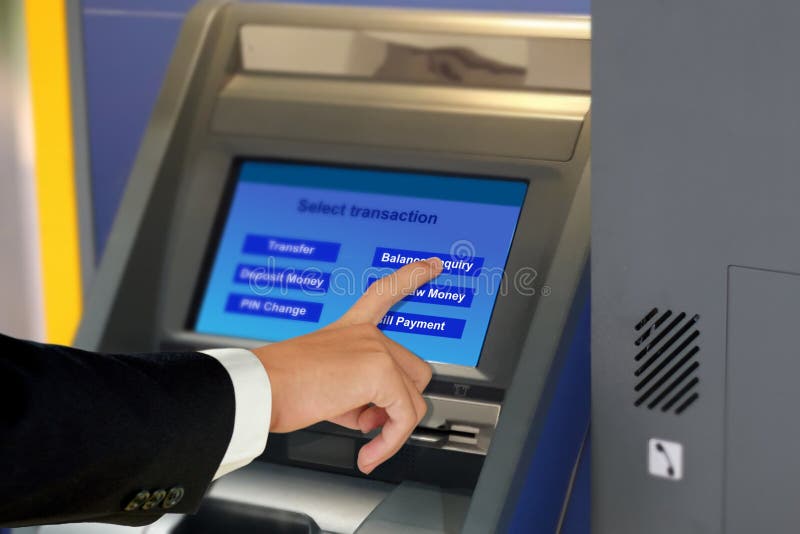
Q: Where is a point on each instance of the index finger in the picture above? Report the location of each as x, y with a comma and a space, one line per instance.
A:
385, 292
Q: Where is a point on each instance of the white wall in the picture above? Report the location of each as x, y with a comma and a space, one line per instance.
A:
21, 303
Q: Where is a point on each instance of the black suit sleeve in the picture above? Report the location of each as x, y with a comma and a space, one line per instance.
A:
81, 434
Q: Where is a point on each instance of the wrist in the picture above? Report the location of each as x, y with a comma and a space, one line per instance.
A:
264, 355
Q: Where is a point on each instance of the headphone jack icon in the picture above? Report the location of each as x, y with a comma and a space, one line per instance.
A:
665, 459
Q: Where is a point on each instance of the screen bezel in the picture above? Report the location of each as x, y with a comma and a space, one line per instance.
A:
226, 203
205, 179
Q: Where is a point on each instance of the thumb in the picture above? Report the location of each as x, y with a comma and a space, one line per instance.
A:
385, 292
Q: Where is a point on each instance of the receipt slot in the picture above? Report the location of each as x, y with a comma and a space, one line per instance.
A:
297, 153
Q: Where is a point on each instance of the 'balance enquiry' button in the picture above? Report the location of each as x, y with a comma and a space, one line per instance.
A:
265, 245
391, 257
445, 294
427, 325
281, 308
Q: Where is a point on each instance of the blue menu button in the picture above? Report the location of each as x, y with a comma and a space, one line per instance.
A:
265, 277
265, 245
426, 325
281, 308
445, 294
396, 258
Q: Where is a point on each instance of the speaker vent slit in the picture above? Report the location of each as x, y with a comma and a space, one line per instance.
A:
687, 403
666, 361
666, 364
660, 382
666, 315
655, 356
679, 395
646, 319
661, 335
672, 385
644, 336
652, 328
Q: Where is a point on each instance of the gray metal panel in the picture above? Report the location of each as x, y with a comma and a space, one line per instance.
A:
434, 511
695, 168
336, 503
80, 145
526, 404
762, 462
493, 123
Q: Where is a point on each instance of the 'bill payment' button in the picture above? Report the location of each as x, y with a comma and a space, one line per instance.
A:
396, 258
439, 294
426, 325
265, 245
281, 308
264, 277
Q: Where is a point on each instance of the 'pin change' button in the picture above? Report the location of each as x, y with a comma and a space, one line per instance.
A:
281, 308
396, 258
265, 277
426, 325
265, 245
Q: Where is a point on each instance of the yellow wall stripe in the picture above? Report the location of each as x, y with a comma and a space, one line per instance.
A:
45, 23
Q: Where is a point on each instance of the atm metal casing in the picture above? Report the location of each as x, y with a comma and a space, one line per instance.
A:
218, 104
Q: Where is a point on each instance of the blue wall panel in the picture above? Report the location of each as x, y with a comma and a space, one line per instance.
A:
577, 520
125, 59
558, 449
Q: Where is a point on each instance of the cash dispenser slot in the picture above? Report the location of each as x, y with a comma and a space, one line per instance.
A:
457, 424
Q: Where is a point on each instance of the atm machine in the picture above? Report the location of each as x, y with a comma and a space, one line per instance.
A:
298, 152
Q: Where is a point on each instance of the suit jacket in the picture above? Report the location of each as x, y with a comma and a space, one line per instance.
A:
116, 438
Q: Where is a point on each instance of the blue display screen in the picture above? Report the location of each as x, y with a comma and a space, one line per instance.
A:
302, 242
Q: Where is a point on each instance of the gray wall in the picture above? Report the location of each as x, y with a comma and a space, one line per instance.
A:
696, 175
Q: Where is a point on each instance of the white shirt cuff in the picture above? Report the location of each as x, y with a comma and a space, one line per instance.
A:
253, 396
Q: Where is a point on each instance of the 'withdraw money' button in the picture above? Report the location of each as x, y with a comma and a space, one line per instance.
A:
426, 325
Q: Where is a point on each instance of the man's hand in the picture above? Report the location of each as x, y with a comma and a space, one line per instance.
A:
351, 374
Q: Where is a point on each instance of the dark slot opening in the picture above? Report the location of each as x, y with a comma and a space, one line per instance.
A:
687, 403
644, 336
660, 382
661, 351
650, 346
646, 319
684, 390
672, 385
666, 315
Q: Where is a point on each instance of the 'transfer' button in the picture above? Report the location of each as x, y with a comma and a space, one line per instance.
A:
264, 245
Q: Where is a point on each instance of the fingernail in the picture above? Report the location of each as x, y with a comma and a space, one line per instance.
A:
364, 467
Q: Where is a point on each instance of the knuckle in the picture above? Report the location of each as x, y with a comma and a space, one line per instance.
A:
422, 409
408, 418
426, 373
377, 350
383, 363
367, 331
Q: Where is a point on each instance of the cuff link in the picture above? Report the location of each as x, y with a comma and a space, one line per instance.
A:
155, 499
173, 497
137, 501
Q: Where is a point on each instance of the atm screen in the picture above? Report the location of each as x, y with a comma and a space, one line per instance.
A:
299, 243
